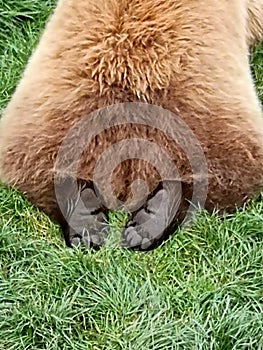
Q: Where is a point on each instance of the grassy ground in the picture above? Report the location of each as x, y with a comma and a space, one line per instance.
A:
203, 289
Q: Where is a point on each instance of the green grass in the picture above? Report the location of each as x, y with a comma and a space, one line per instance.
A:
203, 289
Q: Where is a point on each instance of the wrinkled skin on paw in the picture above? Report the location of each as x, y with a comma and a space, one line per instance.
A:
153, 222
85, 216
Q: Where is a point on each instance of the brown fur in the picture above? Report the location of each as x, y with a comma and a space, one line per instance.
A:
255, 21
190, 57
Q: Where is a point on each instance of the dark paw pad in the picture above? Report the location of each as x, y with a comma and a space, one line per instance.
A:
149, 224
86, 219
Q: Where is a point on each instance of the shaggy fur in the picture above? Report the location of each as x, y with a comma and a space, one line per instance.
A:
190, 57
255, 21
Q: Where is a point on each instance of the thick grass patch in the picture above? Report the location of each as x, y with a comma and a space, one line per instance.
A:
203, 289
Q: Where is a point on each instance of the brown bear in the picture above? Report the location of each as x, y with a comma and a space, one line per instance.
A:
168, 82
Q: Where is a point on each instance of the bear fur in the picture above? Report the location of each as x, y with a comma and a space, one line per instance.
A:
255, 21
189, 57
